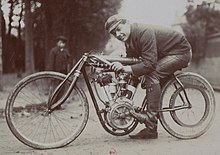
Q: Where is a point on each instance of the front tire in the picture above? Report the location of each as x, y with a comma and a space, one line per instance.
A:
33, 124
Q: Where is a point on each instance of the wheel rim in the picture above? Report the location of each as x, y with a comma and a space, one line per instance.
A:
33, 124
196, 114
171, 120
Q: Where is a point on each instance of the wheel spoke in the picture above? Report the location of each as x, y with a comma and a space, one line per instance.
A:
33, 124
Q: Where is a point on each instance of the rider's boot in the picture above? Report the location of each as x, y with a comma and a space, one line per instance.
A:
149, 117
146, 117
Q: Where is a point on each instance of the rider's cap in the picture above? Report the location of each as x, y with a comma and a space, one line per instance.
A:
113, 21
62, 38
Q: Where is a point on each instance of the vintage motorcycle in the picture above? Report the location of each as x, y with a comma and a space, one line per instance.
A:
50, 110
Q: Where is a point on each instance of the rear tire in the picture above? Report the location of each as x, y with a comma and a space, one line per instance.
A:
191, 122
30, 121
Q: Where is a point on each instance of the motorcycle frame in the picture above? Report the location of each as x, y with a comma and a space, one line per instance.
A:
80, 68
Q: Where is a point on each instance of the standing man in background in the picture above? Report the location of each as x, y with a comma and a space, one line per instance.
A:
59, 58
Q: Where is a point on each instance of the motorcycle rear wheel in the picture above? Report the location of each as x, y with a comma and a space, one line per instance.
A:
190, 122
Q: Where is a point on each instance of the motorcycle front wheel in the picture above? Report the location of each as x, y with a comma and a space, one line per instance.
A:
30, 120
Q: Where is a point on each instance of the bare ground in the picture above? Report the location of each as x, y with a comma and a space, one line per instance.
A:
96, 141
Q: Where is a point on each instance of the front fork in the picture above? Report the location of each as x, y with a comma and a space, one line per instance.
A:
75, 73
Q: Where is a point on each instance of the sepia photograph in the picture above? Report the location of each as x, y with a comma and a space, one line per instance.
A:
109, 77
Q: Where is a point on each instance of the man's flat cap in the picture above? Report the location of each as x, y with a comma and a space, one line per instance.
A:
63, 38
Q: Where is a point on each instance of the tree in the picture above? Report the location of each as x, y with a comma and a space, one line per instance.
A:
81, 21
1, 34
202, 21
13, 43
29, 56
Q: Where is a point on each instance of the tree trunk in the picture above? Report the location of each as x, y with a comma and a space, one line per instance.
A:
29, 52
1, 68
10, 16
20, 19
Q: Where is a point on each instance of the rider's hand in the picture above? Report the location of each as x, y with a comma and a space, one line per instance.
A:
117, 66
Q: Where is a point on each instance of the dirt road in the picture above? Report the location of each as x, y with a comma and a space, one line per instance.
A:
96, 141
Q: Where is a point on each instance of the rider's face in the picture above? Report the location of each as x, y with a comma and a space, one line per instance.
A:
122, 31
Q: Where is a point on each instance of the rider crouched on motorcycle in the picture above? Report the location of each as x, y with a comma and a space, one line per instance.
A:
162, 50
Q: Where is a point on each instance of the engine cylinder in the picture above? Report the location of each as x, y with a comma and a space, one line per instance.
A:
131, 87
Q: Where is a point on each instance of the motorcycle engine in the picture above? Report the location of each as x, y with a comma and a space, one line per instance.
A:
118, 114
120, 90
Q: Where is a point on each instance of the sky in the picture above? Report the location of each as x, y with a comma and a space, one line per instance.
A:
160, 12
